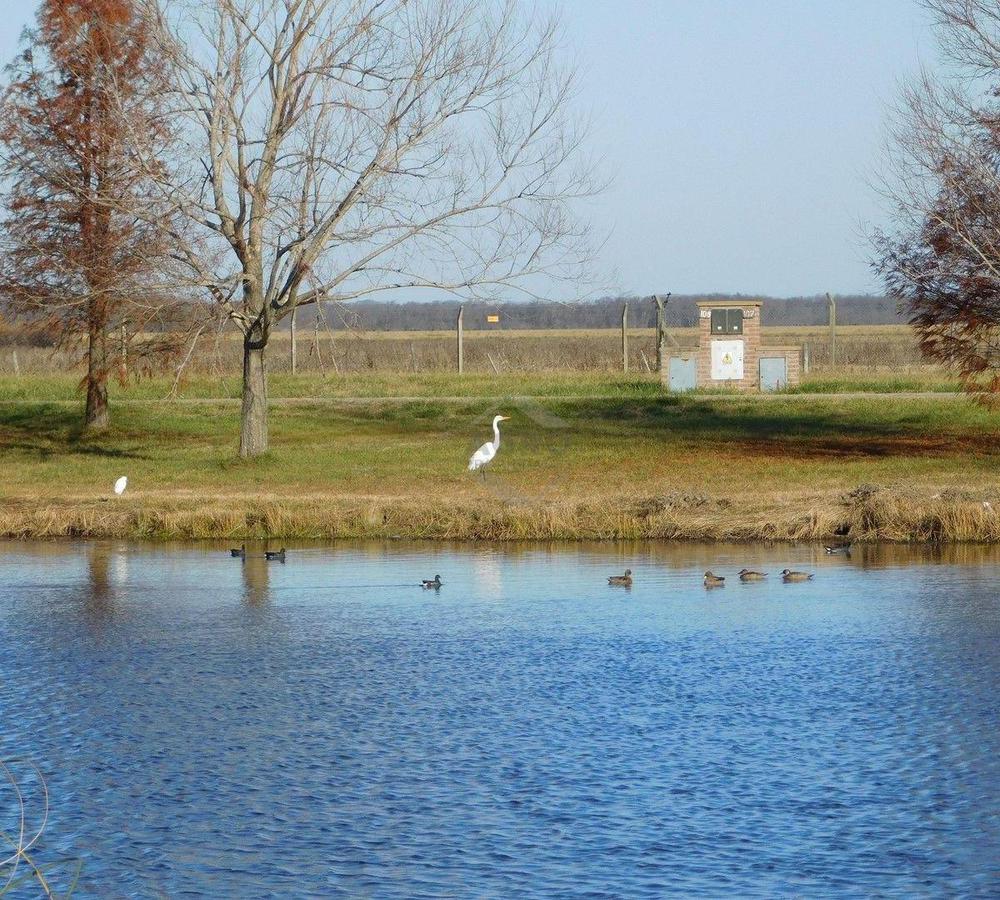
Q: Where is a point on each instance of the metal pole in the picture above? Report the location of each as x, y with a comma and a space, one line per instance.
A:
833, 328
293, 349
123, 353
458, 336
625, 338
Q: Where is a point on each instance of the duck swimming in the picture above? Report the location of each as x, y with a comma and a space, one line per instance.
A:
238, 552
789, 575
623, 580
751, 575
714, 580
278, 555
839, 548
434, 582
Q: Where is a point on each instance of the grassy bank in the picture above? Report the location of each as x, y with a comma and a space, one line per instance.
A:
619, 460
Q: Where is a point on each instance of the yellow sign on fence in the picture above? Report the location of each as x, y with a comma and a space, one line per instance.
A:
493, 318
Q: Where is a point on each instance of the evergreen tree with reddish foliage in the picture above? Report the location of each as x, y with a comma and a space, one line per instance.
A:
80, 136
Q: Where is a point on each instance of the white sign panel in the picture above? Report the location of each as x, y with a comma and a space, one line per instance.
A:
727, 360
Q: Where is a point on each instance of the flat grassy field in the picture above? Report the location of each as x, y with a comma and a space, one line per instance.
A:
582, 458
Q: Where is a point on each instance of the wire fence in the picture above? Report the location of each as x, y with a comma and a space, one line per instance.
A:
497, 352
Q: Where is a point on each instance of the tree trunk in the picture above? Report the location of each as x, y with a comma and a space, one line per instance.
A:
253, 421
96, 416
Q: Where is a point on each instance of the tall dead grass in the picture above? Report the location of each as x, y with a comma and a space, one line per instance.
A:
499, 352
867, 514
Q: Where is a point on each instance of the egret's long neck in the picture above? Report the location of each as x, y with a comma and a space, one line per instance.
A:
496, 434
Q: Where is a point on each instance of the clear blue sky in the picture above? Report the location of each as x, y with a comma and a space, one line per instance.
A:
740, 134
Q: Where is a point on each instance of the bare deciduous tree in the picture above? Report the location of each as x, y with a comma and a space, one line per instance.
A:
942, 259
345, 148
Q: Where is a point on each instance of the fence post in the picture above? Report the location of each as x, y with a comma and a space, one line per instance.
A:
625, 338
661, 339
319, 355
17, 365
805, 358
833, 329
294, 360
659, 330
123, 353
458, 337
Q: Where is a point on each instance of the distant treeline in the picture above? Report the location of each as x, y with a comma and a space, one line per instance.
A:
681, 312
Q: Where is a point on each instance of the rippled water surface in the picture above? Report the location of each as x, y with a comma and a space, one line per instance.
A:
327, 728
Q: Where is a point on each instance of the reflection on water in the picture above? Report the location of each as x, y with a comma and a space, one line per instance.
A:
325, 727
256, 570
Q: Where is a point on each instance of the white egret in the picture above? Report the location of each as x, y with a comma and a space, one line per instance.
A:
120, 485
486, 453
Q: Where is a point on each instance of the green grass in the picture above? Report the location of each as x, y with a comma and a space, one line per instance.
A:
572, 463
63, 388
822, 383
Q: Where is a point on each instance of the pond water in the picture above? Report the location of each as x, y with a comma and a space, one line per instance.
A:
325, 727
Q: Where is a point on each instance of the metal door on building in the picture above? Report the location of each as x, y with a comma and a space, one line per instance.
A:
683, 373
773, 373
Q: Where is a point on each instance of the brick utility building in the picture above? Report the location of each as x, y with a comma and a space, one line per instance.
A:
730, 353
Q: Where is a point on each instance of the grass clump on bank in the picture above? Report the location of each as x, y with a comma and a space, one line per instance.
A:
622, 460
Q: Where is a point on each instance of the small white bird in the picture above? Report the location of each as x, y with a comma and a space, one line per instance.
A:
486, 453
120, 485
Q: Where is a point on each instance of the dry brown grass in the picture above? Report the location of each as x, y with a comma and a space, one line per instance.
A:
865, 514
503, 352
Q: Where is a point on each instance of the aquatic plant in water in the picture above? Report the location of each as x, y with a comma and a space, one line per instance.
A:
17, 835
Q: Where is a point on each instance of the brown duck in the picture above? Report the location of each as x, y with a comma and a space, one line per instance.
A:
789, 575
751, 575
713, 581
623, 580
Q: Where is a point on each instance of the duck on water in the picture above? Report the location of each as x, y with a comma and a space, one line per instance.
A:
791, 575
